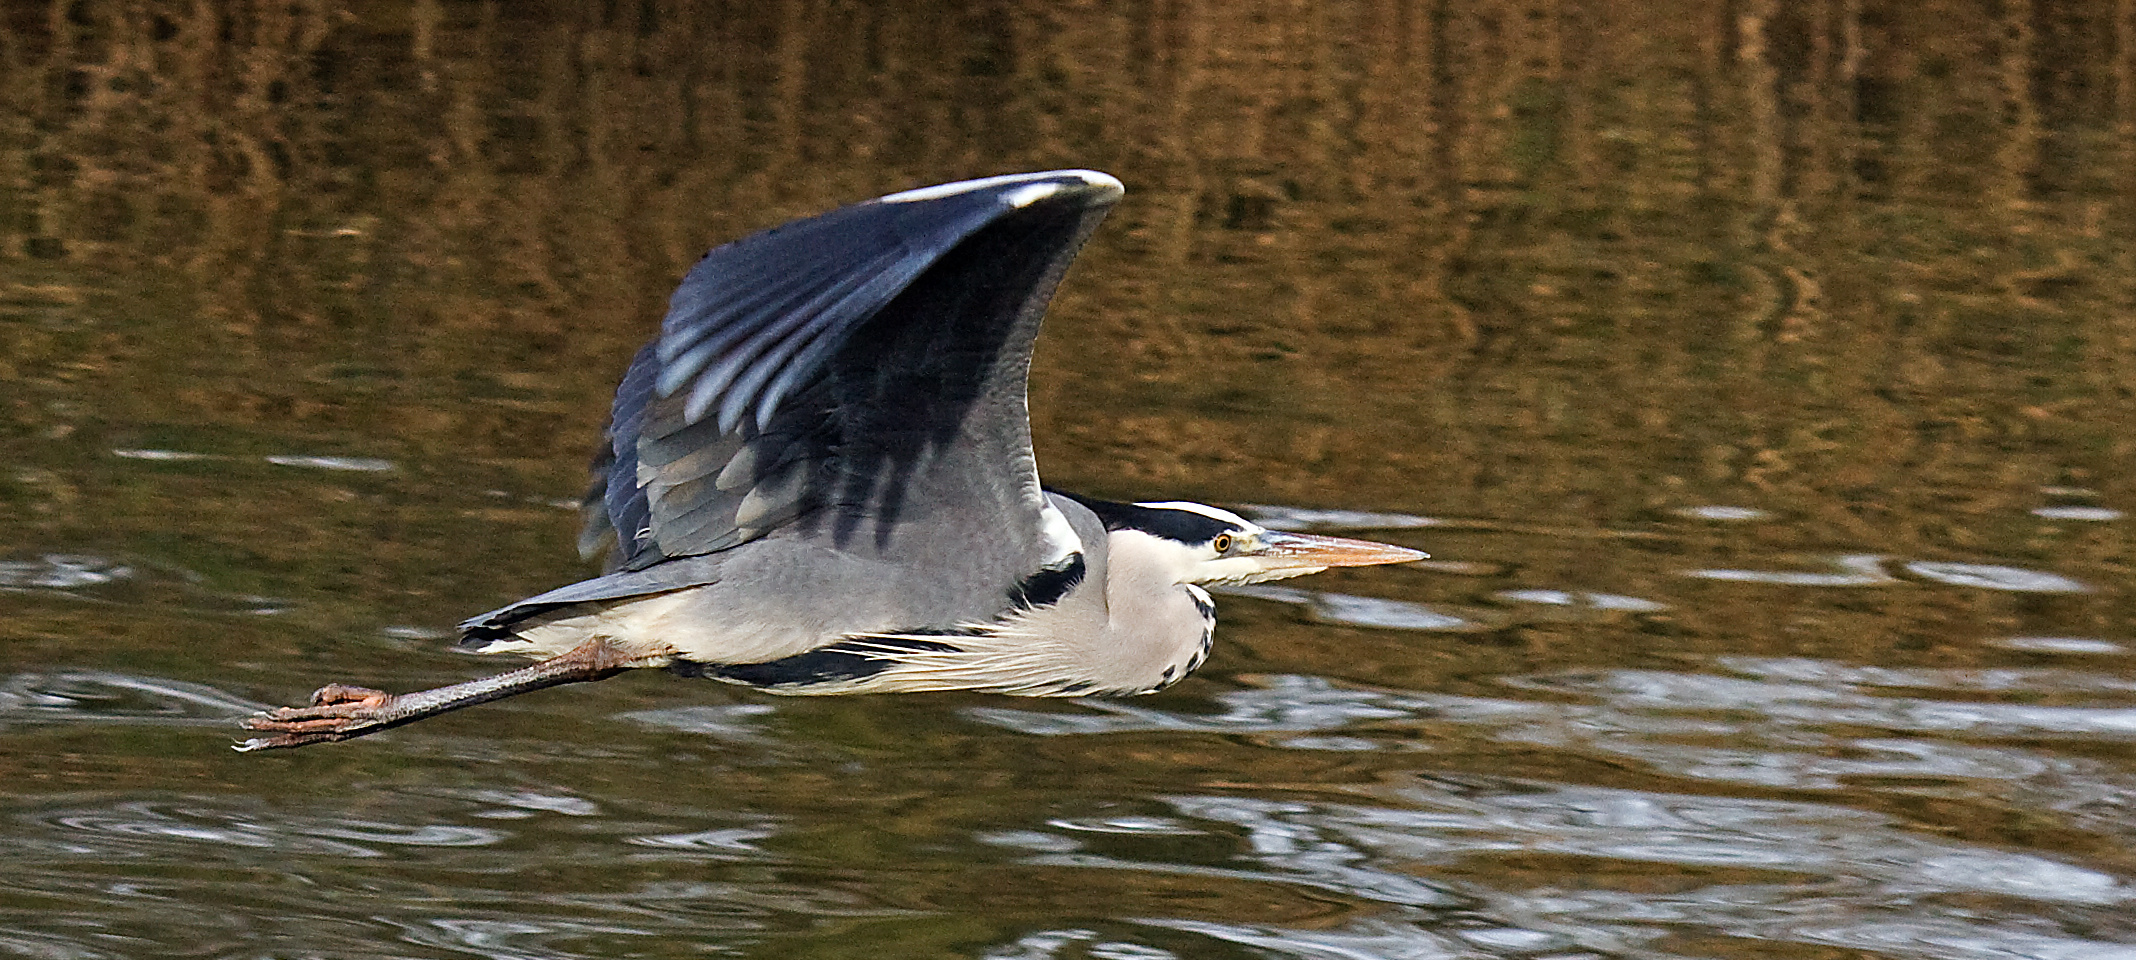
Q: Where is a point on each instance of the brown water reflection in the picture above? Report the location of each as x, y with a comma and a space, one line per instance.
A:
1759, 375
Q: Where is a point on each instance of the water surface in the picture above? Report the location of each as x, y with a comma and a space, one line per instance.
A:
1759, 379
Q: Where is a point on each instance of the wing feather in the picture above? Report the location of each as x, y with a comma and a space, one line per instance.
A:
859, 367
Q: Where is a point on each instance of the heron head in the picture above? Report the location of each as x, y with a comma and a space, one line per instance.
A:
1205, 544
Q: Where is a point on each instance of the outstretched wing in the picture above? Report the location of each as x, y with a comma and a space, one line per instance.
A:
849, 377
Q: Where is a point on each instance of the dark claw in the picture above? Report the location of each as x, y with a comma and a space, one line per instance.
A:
285, 740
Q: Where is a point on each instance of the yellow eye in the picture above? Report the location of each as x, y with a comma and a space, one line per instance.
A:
1222, 543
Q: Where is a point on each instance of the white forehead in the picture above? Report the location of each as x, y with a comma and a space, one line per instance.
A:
1216, 513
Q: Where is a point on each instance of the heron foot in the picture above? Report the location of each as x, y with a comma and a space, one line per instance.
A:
340, 712
337, 712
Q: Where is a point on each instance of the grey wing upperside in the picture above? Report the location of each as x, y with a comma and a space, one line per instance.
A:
857, 379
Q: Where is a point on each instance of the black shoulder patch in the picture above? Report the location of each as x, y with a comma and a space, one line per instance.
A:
1184, 526
838, 662
1049, 584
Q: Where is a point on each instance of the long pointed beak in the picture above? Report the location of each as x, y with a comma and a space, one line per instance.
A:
1313, 550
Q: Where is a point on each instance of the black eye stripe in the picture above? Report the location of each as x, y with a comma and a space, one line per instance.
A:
1185, 526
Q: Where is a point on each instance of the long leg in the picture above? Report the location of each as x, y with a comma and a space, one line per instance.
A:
341, 712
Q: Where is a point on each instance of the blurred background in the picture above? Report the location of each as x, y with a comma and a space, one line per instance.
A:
1760, 375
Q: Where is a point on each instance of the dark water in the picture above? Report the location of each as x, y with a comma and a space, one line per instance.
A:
1760, 377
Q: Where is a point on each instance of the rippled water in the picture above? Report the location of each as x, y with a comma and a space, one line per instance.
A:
1757, 376
1566, 808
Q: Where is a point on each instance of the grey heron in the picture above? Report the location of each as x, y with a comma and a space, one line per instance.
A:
818, 479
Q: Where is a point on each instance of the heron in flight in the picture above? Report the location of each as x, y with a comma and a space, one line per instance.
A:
818, 479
